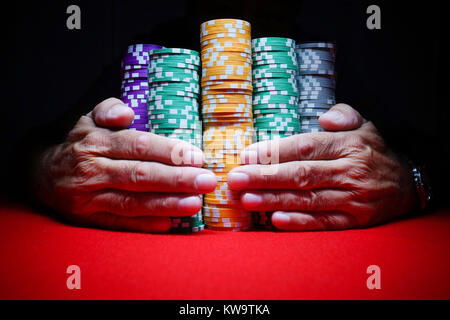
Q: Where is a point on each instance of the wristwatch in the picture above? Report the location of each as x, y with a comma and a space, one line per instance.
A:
423, 186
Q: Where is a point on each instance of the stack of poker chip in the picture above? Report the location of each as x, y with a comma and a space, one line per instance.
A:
134, 89
275, 91
174, 89
227, 115
316, 83
275, 96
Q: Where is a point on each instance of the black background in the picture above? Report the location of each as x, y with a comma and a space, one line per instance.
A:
54, 75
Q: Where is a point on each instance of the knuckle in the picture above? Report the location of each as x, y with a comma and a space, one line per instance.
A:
305, 148
124, 204
95, 142
313, 202
140, 174
141, 145
301, 176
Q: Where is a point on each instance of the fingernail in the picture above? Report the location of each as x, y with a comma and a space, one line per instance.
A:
334, 116
192, 203
280, 218
205, 182
193, 157
237, 180
117, 110
251, 200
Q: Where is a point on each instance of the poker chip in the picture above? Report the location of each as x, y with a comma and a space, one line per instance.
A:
275, 94
174, 89
134, 88
227, 118
316, 82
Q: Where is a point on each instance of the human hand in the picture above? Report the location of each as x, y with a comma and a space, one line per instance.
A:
121, 179
327, 180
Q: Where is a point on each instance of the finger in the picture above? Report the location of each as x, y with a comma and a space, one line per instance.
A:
304, 200
138, 204
137, 145
146, 176
112, 113
140, 224
341, 117
300, 221
289, 175
306, 146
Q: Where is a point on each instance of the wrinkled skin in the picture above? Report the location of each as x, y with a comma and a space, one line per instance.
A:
342, 179
121, 179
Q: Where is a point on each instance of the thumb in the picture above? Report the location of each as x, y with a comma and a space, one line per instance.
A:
112, 113
341, 117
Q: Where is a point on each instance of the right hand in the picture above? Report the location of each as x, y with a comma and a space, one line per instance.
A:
121, 179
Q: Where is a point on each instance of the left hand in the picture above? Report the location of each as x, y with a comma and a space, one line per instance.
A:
327, 180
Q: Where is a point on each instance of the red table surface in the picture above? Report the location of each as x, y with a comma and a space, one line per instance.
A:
35, 250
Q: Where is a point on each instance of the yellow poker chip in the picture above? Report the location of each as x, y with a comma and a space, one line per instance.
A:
227, 70
226, 49
234, 56
225, 23
217, 211
226, 63
224, 202
230, 224
227, 77
224, 35
224, 92
218, 110
232, 219
227, 42
227, 115
226, 86
245, 96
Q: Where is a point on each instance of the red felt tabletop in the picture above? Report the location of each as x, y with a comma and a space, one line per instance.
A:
35, 251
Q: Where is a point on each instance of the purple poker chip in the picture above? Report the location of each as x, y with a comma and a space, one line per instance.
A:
132, 62
132, 67
142, 47
135, 82
135, 95
135, 74
140, 127
140, 120
134, 87
136, 54
137, 106
134, 101
132, 81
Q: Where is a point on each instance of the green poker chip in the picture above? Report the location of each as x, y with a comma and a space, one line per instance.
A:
274, 99
158, 95
272, 48
175, 126
274, 41
272, 90
178, 65
175, 112
166, 117
174, 51
173, 70
274, 55
276, 111
261, 63
270, 75
172, 79
273, 106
